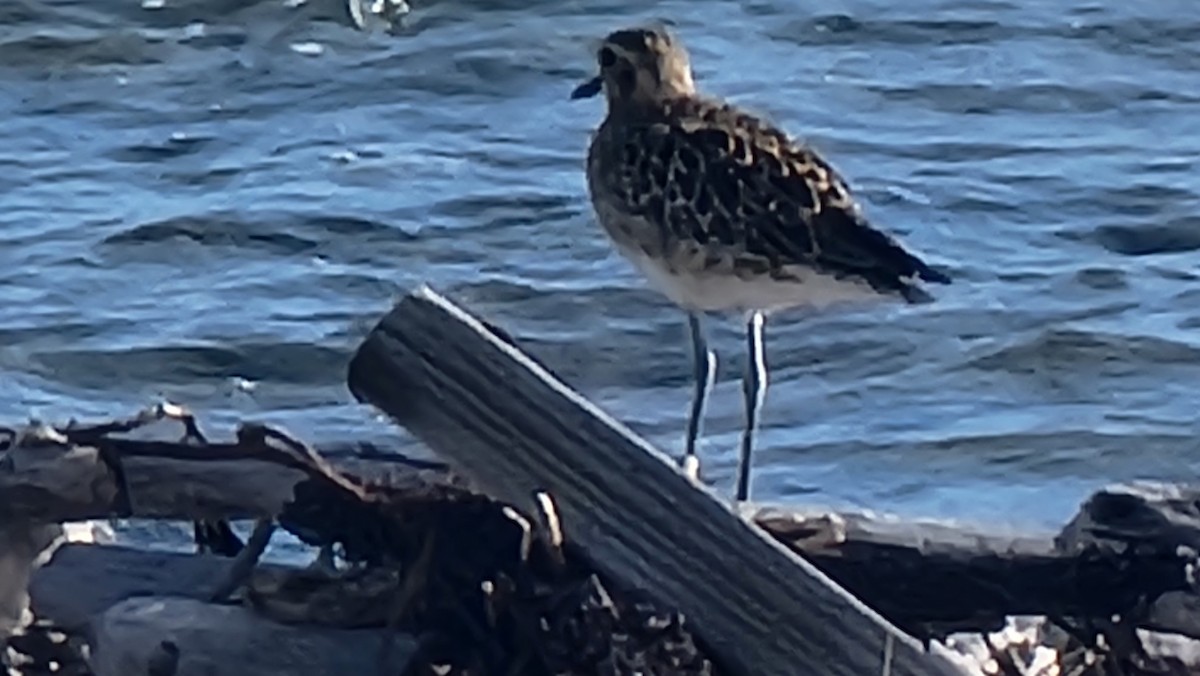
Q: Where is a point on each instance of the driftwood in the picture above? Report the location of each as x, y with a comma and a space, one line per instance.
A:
76, 472
502, 419
929, 578
487, 592
934, 579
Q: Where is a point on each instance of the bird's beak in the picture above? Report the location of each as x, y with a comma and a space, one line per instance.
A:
588, 89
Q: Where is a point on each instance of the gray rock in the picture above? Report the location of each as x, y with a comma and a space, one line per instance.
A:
134, 637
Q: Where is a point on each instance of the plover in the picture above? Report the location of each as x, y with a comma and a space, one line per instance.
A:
724, 212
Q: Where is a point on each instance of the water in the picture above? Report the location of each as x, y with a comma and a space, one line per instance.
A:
213, 201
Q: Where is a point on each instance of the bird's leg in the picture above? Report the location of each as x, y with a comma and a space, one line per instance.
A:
754, 389
704, 373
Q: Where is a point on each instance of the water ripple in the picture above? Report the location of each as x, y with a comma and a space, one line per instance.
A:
189, 200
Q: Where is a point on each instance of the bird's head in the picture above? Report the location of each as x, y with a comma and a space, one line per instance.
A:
639, 66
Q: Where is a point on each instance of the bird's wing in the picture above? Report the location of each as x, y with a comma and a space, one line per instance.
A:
720, 176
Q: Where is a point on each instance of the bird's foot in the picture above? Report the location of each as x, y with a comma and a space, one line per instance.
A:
691, 467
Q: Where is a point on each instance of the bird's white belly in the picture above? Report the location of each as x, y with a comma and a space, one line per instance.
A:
720, 291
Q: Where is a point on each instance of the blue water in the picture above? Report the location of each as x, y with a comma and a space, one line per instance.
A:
213, 201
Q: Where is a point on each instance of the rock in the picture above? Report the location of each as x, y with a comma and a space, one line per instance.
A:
82, 581
175, 636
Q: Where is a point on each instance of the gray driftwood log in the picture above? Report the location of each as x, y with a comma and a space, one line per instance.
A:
935, 578
510, 426
48, 478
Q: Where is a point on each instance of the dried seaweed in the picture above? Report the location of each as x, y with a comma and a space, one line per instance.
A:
487, 589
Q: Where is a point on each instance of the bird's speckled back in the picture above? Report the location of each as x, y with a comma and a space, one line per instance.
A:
705, 187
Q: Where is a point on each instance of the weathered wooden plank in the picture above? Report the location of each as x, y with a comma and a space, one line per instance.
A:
48, 478
514, 429
933, 579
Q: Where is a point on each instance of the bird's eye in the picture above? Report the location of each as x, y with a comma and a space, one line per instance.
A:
607, 58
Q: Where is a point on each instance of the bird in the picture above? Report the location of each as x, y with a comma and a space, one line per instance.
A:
724, 212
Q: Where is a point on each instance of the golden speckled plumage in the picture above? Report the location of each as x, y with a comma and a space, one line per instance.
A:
722, 211
704, 189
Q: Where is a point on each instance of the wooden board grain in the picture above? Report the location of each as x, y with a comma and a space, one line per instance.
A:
510, 426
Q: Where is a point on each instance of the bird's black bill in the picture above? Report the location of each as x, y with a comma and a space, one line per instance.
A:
588, 89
